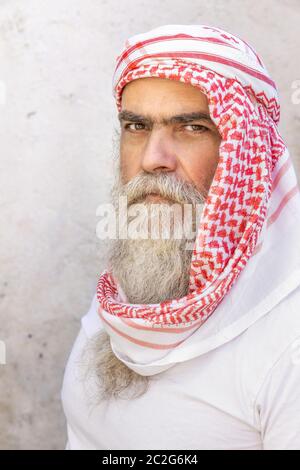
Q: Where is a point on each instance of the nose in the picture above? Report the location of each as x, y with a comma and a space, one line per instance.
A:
159, 152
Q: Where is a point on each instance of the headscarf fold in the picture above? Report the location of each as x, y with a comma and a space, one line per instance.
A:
253, 198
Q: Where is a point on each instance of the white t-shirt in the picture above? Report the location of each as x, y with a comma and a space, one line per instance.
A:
242, 395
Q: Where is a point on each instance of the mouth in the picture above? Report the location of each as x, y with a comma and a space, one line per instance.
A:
153, 198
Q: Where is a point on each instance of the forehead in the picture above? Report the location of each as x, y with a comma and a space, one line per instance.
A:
164, 95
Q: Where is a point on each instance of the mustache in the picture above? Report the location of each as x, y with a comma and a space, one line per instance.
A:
164, 184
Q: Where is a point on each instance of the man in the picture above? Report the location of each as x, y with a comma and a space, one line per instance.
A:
194, 348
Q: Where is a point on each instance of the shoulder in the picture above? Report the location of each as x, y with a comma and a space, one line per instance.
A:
90, 325
277, 403
263, 344
273, 333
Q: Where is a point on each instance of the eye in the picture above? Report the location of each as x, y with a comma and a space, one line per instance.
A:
197, 128
139, 126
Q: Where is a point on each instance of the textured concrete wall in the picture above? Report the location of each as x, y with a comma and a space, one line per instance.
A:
56, 61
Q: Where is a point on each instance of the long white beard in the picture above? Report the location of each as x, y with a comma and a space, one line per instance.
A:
149, 271
154, 270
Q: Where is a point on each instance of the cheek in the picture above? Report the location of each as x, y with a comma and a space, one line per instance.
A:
130, 162
200, 163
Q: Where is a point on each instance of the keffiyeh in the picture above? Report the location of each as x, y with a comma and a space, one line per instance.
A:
246, 253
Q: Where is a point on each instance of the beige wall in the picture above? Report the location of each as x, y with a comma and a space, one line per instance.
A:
56, 61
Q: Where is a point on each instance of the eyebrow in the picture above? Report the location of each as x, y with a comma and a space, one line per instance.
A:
126, 115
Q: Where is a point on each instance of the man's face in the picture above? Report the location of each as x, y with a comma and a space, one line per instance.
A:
158, 135
169, 151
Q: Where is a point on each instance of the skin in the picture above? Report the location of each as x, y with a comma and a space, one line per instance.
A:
150, 141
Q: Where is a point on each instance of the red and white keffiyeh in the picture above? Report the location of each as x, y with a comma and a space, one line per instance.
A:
250, 226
